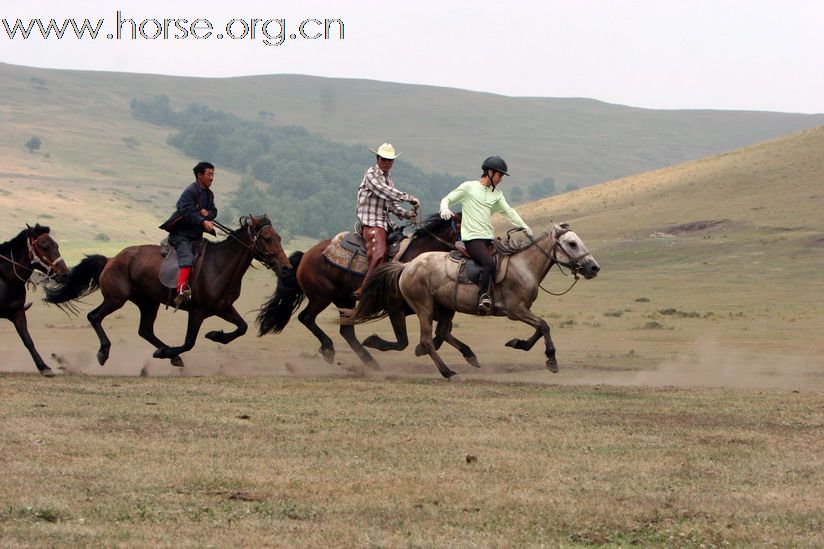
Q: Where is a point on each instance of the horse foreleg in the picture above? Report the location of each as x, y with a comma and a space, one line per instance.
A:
22, 327
192, 328
307, 317
541, 329
232, 317
444, 333
398, 320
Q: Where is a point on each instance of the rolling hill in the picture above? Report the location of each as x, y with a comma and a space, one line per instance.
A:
104, 176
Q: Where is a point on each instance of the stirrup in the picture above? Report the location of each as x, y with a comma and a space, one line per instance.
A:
484, 304
184, 295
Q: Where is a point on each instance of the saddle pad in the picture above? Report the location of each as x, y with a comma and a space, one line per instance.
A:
338, 255
346, 250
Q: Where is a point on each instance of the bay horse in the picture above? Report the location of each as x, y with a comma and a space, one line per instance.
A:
427, 284
133, 275
323, 284
32, 249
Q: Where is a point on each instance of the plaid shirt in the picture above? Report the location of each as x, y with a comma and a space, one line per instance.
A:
377, 196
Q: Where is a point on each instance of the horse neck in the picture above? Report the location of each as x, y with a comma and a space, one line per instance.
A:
538, 257
425, 243
232, 257
15, 250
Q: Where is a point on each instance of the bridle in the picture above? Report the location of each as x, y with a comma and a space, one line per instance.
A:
574, 265
263, 257
36, 258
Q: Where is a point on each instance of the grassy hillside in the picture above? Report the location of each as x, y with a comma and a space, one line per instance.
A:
94, 145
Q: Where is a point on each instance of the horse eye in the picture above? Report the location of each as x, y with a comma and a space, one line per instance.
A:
573, 244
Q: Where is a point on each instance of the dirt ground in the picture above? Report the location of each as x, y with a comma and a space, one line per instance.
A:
586, 356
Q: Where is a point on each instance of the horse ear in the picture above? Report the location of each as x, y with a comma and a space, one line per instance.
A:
244, 221
564, 225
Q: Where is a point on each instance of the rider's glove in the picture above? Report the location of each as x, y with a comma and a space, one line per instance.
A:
446, 214
527, 230
414, 201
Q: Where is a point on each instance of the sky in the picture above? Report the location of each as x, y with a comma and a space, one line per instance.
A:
765, 55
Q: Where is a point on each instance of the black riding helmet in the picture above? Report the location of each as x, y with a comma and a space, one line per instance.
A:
495, 163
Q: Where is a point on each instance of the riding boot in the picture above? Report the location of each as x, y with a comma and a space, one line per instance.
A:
484, 291
184, 292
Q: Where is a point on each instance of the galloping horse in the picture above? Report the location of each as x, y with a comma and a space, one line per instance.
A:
32, 249
323, 283
427, 284
133, 275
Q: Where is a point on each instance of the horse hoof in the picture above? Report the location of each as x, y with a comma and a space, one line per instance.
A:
47, 372
552, 364
177, 361
214, 335
372, 365
371, 341
454, 378
512, 343
420, 351
328, 355
102, 357
473, 360
161, 353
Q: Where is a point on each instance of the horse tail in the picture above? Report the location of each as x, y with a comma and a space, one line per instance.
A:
380, 295
275, 313
82, 279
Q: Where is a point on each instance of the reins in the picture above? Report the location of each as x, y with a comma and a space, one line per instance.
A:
250, 247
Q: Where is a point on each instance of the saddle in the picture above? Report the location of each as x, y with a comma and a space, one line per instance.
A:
465, 270
347, 250
168, 268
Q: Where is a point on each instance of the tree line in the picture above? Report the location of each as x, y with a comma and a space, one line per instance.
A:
307, 183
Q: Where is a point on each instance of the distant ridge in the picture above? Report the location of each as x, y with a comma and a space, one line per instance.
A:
575, 141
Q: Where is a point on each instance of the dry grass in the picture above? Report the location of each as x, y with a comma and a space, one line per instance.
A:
345, 462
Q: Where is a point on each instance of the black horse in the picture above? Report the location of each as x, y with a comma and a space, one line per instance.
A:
32, 249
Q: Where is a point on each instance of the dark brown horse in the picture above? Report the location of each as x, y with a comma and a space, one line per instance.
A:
32, 249
133, 275
323, 283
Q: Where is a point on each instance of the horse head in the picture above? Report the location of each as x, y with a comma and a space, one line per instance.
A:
571, 252
266, 244
44, 252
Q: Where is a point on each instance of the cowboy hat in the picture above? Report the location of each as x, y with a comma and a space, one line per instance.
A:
386, 151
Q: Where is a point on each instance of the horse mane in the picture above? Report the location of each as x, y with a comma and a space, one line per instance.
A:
9, 245
508, 248
432, 225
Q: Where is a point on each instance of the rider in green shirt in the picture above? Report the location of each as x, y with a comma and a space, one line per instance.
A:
480, 199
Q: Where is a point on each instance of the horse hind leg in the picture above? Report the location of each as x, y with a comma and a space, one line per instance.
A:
444, 333
148, 315
22, 327
398, 320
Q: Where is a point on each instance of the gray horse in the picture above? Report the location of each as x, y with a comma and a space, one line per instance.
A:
428, 284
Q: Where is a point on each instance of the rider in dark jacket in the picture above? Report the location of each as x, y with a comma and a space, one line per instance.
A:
195, 211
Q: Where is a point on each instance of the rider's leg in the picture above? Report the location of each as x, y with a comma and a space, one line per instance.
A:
375, 240
479, 250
